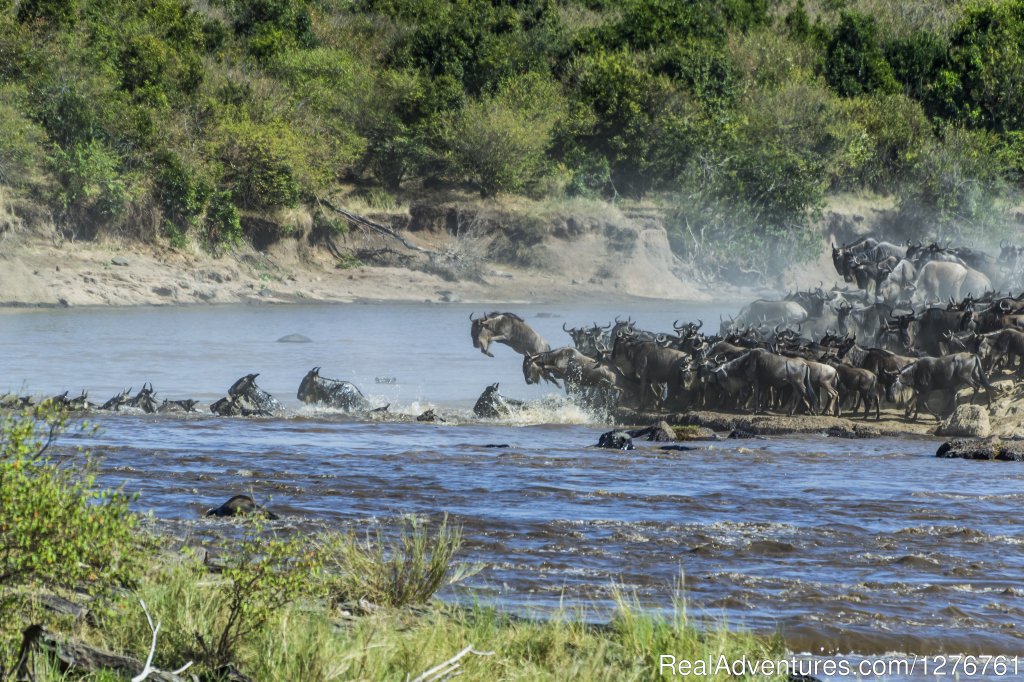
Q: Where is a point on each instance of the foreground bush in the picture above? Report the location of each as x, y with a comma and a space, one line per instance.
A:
57, 529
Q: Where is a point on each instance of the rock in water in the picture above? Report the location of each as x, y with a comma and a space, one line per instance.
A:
616, 440
295, 338
1008, 450
967, 421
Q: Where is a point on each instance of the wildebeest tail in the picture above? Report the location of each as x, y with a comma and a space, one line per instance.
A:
812, 396
981, 373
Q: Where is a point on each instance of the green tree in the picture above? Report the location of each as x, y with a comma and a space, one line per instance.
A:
854, 61
57, 13
957, 188
982, 82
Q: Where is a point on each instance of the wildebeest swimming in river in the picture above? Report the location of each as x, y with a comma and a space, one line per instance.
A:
343, 395
246, 399
241, 505
493, 405
177, 406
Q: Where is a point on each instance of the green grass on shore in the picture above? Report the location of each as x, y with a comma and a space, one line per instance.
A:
310, 640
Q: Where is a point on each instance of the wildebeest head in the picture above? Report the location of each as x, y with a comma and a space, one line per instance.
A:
344, 395
493, 405
892, 381
532, 371
145, 399
308, 392
250, 399
243, 385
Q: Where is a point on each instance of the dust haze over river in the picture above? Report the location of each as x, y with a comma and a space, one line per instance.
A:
864, 546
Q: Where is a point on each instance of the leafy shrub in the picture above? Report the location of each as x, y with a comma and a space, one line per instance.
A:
182, 189
21, 145
92, 186
223, 222
408, 571
57, 528
500, 141
260, 164
616, 107
57, 13
854, 61
262, 575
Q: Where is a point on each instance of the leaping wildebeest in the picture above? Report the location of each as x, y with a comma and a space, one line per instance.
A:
506, 328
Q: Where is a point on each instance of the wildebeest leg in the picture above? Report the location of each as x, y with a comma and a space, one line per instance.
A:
911, 406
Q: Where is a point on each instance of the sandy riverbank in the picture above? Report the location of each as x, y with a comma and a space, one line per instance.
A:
636, 261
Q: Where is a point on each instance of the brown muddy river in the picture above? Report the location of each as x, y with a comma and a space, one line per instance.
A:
845, 546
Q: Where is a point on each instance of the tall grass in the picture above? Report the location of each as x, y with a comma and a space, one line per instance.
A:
408, 571
309, 638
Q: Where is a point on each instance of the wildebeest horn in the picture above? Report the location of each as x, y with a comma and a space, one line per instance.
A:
700, 323
563, 327
471, 317
777, 328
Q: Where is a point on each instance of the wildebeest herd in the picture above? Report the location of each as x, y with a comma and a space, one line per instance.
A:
921, 324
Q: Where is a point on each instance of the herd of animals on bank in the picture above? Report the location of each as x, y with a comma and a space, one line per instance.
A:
921, 324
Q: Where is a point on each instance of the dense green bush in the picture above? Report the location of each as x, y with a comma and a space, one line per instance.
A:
499, 142
57, 528
114, 108
854, 61
982, 81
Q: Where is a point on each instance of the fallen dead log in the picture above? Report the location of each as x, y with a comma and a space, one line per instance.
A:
366, 223
74, 655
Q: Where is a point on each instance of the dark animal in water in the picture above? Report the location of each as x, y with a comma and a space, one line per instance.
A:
616, 440
506, 328
118, 400
295, 338
10, 401
241, 505
168, 406
144, 400
493, 405
80, 403
343, 395
246, 399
